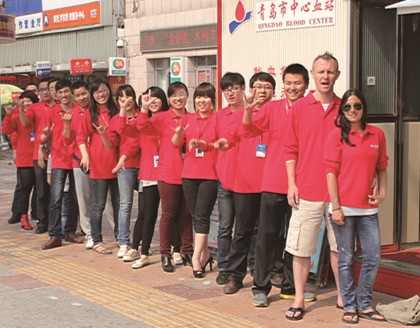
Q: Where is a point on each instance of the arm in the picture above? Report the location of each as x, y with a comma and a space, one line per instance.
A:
8, 126
120, 164
292, 192
67, 118
377, 199
337, 213
23, 119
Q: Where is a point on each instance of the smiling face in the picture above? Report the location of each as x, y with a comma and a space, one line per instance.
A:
53, 92
234, 95
26, 103
203, 105
127, 100
102, 95
353, 110
82, 97
64, 96
324, 74
294, 87
262, 91
44, 92
178, 99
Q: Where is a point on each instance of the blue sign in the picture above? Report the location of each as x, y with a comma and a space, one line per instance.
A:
43, 72
23, 7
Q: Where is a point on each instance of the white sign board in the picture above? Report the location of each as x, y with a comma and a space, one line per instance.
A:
280, 15
117, 66
28, 23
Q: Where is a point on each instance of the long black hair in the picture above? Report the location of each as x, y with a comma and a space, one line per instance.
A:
94, 110
129, 91
158, 93
342, 122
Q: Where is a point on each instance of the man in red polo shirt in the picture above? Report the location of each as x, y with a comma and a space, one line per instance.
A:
33, 117
51, 128
310, 121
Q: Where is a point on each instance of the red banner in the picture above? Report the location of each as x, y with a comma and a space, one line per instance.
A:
80, 66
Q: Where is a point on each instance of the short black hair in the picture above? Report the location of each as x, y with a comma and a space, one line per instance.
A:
79, 84
29, 94
52, 80
262, 76
205, 89
297, 69
62, 83
173, 87
31, 83
230, 79
45, 79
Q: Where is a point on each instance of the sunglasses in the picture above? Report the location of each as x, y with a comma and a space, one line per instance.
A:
356, 106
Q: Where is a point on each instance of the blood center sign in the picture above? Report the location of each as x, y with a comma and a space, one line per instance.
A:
117, 66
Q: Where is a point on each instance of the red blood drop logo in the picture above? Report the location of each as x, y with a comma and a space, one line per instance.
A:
240, 11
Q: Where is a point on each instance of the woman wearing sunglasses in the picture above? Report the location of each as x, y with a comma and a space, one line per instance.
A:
354, 153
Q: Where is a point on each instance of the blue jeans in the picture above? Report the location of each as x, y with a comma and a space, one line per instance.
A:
367, 228
127, 179
58, 180
226, 221
99, 188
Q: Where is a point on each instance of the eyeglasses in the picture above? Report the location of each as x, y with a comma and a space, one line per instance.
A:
263, 87
356, 106
232, 90
178, 95
43, 89
101, 92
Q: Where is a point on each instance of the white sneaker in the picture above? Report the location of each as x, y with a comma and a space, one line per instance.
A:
144, 260
177, 258
123, 251
89, 243
131, 255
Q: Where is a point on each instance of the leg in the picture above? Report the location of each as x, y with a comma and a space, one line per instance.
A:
115, 200
43, 196
171, 196
58, 180
345, 236
151, 206
226, 220
26, 183
247, 208
139, 224
127, 178
370, 240
99, 189
15, 204
271, 226
72, 208
84, 199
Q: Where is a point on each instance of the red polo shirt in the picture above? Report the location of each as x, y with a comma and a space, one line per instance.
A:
308, 127
163, 125
102, 161
61, 153
35, 114
355, 167
271, 118
23, 139
149, 146
128, 146
198, 165
220, 127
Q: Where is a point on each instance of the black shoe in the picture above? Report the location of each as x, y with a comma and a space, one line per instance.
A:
232, 286
187, 259
198, 274
14, 219
221, 278
166, 264
41, 230
209, 262
52, 243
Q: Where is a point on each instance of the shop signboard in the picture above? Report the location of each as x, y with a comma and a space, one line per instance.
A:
29, 23
7, 28
176, 69
80, 66
117, 66
43, 68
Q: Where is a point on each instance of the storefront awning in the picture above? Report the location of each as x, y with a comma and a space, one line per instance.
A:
406, 7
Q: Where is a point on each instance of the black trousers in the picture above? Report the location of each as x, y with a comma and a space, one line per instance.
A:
26, 178
271, 239
247, 209
42, 195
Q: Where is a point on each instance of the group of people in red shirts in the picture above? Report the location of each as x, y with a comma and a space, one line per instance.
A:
277, 169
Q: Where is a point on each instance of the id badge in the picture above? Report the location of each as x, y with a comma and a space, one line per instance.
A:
155, 161
199, 153
261, 150
140, 186
32, 136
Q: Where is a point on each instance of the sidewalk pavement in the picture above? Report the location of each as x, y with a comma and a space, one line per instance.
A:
72, 287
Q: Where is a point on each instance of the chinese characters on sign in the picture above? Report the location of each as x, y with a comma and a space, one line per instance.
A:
7, 28
279, 15
179, 38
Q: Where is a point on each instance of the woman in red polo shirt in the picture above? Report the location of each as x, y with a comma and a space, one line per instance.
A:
174, 207
25, 138
101, 158
354, 153
199, 179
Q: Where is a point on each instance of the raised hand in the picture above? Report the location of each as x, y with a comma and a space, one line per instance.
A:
146, 101
101, 129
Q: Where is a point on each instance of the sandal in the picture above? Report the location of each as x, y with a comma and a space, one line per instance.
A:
370, 315
294, 311
354, 318
101, 249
